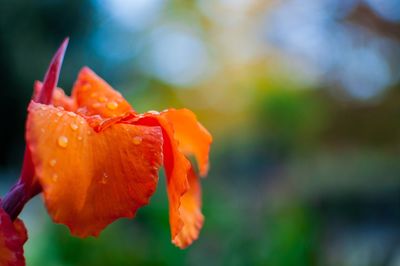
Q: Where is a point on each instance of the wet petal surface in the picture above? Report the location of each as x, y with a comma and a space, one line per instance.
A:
90, 178
94, 96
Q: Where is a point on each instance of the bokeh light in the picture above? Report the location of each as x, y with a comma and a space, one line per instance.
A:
302, 98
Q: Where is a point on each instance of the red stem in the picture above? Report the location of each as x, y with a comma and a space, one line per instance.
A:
25, 189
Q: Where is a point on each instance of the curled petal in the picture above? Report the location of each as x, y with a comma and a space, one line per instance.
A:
91, 178
192, 137
190, 213
183, 134
176, 167
94, 96
12, 238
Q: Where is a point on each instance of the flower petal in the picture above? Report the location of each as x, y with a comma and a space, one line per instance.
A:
94, 96
190, 213
176, 168
59, 97
12, 238
192, 137
91, 178
182, 133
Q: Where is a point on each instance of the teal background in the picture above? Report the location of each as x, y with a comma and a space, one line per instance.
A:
302, 99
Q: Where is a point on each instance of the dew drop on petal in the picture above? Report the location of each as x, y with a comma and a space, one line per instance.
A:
86, 87
73, 126
104, 179
137, 140
80, 138
153, 112
63, 141
93, 94
96, 105
102, 99
54, 177
59, 114
53, 162
112, 105
71, 114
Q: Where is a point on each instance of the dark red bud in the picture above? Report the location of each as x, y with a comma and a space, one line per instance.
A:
53, 72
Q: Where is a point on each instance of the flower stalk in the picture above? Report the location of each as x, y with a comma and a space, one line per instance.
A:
27, 186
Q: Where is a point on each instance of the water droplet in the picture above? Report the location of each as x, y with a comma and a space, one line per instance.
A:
42, 130
112, 105
71, 114
137, 140
80, 138
96, 105
153, 112
81, 121
73, 126
63, 141
104, 179
59, 114
89, 132
102, 99
53, 162
86, 87
54, 177
93, 94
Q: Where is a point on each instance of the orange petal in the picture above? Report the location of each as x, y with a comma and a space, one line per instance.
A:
192, 137
59, 97
12, 238
176, 169
94, 96
190, 213
90, 179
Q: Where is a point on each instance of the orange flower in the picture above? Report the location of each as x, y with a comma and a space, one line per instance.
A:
182, 135
97, 160
12, 238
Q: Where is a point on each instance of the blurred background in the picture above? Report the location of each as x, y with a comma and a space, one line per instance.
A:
302, 98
